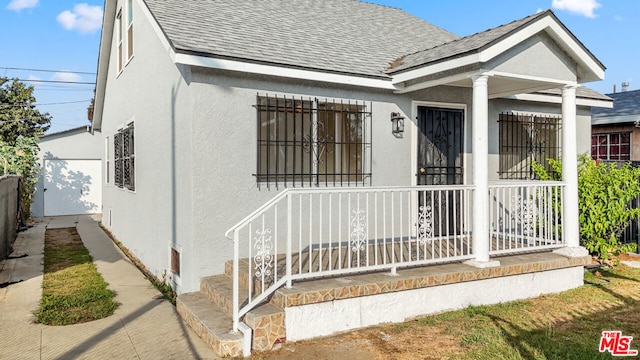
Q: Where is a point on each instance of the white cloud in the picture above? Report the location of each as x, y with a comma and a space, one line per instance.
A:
66, 76
83, 17
33, 80
580, 7
618, 18
18, 5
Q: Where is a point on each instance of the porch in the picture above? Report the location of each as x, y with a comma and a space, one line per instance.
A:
298, 254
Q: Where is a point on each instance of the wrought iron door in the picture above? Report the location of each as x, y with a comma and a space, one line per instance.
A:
440, 143
440, 140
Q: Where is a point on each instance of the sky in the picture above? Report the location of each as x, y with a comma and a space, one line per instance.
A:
63, 37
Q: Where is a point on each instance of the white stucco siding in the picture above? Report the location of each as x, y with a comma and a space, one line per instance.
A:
151, 92
74, 144
538, 56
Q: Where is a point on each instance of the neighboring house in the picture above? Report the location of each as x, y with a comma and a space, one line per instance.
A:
614, 131
305, 139
70, 179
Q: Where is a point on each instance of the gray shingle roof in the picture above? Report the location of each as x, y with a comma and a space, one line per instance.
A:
343, 36
581, 92
626, 109
473, 43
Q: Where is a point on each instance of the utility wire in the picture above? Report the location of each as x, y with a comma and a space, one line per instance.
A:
52, 71
37, 104
59, 81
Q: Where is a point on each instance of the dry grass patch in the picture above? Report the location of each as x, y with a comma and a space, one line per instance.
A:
72, 289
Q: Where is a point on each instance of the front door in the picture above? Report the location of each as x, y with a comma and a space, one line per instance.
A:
440, 141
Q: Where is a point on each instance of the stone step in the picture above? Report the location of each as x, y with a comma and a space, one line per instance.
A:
211, 324
267, 320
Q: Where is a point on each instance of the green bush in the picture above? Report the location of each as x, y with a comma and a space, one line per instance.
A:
605, 192
21, 159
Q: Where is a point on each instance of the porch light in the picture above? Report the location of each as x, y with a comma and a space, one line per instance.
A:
397, 123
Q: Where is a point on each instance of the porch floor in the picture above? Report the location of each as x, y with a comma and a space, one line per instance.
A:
349, 286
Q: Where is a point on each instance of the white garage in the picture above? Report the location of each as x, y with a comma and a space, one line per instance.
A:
70, 181
72, 187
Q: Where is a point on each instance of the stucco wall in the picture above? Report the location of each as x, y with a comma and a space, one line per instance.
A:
9, 198
74, 144
195, 150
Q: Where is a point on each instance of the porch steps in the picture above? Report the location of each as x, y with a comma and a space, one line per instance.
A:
211, 324
209, 313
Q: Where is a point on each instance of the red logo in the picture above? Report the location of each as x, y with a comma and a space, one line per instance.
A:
616, 344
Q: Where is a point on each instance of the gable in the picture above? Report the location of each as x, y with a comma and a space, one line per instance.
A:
538, 56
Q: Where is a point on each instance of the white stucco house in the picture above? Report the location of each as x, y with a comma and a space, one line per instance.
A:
70, 179
307, 167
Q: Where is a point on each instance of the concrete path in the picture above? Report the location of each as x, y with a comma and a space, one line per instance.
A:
145, 326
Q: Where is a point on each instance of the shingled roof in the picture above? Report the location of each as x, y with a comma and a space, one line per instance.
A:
626, 109
340, 36
472, 43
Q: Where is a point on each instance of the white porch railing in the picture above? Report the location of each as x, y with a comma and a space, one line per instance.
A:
312, 233
525, 216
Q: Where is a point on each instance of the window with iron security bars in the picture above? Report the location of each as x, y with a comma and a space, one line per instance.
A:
524, 139
312, 142
124, 158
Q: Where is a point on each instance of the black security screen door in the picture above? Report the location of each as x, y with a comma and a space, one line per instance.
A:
440, 140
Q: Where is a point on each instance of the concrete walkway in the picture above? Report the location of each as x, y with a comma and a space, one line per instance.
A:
145, 326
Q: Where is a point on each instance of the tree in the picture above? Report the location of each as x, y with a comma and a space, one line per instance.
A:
18, 113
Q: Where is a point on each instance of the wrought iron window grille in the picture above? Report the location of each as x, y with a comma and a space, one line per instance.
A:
306, 142
527, 138
124, 158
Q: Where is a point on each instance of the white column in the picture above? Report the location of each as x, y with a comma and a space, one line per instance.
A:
570, 222
480, 135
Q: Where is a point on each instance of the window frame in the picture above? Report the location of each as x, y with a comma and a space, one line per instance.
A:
124, 157
311, 142
129, 28
119, 43
520, 143
609, 144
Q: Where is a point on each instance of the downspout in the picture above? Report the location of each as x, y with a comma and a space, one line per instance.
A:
247, 332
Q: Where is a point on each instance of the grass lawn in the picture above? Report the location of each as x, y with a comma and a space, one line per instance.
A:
72, 289
558, 326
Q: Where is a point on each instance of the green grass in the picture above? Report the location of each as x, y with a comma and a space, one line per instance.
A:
559, 326
72, 289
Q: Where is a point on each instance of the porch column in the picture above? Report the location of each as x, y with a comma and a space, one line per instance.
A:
570, 222
480, 149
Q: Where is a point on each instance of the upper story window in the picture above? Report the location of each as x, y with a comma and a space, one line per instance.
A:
525, 138
311, 142
124, 158
612, 147
124, 24
119, 36
129, 29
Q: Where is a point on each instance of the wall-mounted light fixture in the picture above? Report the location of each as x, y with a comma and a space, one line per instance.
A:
397, 123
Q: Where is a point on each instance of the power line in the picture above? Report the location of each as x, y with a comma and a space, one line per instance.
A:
37, 104
59, 81
51, 71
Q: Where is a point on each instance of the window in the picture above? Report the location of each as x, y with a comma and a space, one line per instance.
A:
613, 147
308, 142
106, 160
525, 138
129, 29
119, 31
124, 158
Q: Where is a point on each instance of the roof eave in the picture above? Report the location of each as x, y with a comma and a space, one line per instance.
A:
104, 54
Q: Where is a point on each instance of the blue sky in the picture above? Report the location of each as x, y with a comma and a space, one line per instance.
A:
63, 35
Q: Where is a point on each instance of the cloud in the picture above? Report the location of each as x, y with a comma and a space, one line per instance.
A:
83, 18
66, 76
18, 5
580, 7
618, 18
33, 80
